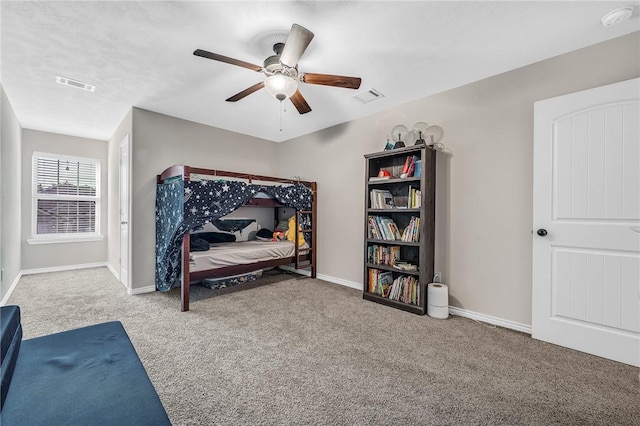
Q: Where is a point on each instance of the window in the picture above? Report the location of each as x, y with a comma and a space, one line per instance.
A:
66, 198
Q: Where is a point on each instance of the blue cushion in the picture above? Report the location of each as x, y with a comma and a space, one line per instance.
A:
90, 375
11, 339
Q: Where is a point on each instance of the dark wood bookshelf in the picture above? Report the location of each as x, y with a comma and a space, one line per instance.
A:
420, 253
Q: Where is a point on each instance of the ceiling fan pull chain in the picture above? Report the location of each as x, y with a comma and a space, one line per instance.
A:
281, 106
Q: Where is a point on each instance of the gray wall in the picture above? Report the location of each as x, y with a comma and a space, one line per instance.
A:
159, 141
61, 254
10, 217
484, 195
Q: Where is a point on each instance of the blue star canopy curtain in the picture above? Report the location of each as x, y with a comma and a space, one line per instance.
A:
184, 206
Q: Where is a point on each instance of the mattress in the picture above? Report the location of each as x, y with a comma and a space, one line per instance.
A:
240, 253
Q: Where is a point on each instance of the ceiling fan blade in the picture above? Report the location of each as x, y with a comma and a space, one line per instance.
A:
246, 92
332, 80
300, 103
228, 60
297, 41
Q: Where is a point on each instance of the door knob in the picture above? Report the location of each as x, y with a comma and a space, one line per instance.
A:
542, 232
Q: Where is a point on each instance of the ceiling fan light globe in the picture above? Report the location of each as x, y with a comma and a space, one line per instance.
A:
280, 86
399, 133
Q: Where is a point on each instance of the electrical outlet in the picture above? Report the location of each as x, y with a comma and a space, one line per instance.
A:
437, 277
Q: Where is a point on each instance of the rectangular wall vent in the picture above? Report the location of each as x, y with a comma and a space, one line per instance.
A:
76, 83
368, 96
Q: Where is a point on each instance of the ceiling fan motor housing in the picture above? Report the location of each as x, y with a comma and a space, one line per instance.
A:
272, 65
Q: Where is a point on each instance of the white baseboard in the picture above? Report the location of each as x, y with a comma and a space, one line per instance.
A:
11, 288
113, 271
147, 289
63, 268
340, 281
131, 291
490, 320
328, 278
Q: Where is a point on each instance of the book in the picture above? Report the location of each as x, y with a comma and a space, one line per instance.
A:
418, 169
412, 165
394, 255
405, 289
385, 279
412, 232
405, 266
390, 228
377, 178
381, 199
405, 168
409, 166
383, 255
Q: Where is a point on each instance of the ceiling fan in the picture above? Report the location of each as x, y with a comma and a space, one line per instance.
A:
281, 71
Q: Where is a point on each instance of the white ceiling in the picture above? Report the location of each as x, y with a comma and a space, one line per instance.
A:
140, 53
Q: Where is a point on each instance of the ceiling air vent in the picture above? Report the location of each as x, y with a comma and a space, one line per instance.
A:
75, 83
368, 96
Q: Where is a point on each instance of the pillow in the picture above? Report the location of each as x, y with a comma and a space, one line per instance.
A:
243, 229
216, 237
198, 244
291, 232
264, 234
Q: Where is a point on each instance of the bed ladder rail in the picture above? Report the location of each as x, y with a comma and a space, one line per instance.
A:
309, 252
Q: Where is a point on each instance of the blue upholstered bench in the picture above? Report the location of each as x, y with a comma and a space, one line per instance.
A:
86, 376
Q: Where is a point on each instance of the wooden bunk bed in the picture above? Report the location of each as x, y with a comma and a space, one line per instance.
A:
304, 257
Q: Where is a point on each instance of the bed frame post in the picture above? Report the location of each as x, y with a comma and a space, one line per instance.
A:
314, 237
185, 284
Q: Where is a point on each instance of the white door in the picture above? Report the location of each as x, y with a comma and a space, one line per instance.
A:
586, 221
124, 211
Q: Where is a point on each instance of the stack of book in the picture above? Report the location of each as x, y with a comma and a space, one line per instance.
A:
382, 228
409, 166
414, 200
404, 266
405, 289
383, 255
381, 199
380, 282
411, 233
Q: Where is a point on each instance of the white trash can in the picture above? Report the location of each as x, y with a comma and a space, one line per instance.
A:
438, 301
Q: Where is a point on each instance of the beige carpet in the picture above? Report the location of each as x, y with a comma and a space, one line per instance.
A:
303, 351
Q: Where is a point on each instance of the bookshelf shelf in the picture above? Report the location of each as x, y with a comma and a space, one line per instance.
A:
391, 268
393, 242
391, 210
399, 305
399, 219
390, 181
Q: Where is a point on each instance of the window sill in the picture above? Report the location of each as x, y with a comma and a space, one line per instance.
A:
57, 240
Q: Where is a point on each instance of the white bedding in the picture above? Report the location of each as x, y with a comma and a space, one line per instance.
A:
240, 253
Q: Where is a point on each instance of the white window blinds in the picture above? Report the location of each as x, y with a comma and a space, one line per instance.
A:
66, 196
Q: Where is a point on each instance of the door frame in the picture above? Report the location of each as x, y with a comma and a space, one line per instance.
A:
125, 144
